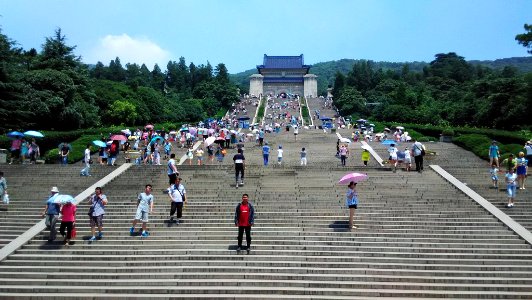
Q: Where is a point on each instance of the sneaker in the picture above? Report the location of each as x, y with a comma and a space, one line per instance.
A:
132, 230
236, 186
238, 249
145, 234
177, 221
100, 235
92, 239
354, 227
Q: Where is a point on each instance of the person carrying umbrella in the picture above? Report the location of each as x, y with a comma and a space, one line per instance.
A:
51, 212
351, 200
68, 219
64, 151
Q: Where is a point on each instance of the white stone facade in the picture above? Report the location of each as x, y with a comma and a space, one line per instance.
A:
256, 85
310, 86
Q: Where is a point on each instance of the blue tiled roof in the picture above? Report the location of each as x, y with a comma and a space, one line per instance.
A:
282, 79
283, 62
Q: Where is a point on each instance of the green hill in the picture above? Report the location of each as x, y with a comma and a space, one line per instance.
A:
327, 70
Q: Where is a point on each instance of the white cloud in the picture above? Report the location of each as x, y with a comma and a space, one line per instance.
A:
133, 50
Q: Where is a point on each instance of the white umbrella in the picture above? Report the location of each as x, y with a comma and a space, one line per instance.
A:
255, 130
250, 134
345, 140
400, 127
209, 141
172, 132
306, 127
126, 131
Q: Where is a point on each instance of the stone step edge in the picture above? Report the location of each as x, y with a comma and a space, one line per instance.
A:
259, 282
273, 290
492, 209
40, 226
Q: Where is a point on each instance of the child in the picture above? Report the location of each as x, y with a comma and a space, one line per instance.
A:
303, 154
280, 155
190, 156
494, 176
365, 156
511, 185
408, 159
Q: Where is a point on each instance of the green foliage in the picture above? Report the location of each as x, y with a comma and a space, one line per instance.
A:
476, 143
525, 39
76, 153
304, 111
260, 110
448, 132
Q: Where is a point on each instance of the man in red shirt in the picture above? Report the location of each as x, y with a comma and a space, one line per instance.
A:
244, 219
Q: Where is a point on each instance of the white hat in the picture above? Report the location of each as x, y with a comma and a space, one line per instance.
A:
54, 190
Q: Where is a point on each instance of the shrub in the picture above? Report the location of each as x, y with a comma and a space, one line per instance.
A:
476, 143
448, 132
76, 153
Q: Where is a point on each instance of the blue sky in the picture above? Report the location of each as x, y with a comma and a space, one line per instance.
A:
238, 33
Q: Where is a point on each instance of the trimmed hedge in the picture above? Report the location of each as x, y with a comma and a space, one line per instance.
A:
76, 153
304, 111
479, 145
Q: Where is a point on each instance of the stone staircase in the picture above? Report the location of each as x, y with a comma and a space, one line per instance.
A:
29, 187
417, 237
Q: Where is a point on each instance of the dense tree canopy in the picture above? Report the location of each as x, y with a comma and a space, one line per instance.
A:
52, 89
448, 90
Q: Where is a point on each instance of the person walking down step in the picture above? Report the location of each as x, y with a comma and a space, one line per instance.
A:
511, 187
266, 153
280, 155
87, 160
172, 169
240, 164
98, 201
144, 206
3, 189
244, 219
178, 197
303, 157
51, 212
351, 200
68, 219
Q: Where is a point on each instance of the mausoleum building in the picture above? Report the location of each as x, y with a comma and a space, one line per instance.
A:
283, 74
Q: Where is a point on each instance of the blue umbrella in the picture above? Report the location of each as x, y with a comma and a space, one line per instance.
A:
156, 138
389, 142
64, 199
15, 134
99, 143
34, 133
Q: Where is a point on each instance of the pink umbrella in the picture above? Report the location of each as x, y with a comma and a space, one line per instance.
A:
118, 137
355, 177
149, 126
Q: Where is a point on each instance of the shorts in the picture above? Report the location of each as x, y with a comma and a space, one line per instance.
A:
141, 215
511, 189
200, 158
353, 206
280, 159
408, 160
521, 170
15, 153
96, 221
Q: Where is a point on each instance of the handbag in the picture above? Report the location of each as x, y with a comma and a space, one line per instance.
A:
5, 199
73, 232
91, 211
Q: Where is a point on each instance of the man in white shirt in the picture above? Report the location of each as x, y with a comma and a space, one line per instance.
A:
86, 159
178, 197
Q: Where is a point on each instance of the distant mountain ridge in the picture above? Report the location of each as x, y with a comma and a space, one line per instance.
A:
326, 70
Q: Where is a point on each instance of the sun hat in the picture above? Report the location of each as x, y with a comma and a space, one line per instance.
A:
54, 190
